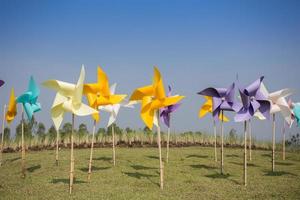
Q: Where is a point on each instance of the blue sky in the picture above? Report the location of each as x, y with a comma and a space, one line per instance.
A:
195, 44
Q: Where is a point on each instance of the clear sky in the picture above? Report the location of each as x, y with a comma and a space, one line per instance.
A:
195, 44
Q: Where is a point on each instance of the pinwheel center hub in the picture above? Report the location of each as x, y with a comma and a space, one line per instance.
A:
223, 98
252, 98
98, 94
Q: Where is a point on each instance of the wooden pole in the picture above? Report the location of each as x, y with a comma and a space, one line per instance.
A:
72, 156
2, 139
222, 143
91, 154
57, 140
113, 144
245, 153
168, 144
23, 147
215, 143
161, 166
273, 144
283, 140
250, 140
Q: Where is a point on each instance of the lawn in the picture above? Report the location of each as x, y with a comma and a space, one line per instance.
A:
190, 174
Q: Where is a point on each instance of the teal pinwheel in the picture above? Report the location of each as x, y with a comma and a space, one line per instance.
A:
29, 99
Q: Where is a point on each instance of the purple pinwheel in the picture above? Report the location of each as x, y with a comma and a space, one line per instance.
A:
166, 111
253, 100
223, 99
1, 83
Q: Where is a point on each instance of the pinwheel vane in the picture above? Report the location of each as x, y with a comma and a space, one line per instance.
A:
2, 144
99, 94
30, 105
253, 100
68, 99
153, 98
166, 117
278, 104
223, 100
206, 108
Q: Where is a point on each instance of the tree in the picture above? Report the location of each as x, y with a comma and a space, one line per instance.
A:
41, 129
6, 136
232, 136
66, 130
82, 131
51, 134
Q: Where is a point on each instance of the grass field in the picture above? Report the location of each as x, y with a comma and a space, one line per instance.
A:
190, 174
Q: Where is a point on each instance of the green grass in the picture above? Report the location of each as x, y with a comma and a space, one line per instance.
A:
190, 174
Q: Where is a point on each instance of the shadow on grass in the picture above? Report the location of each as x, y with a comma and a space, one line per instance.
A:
242, 164
85, 169
202, 167
196, 156
278, 173
66, 181
218, 176
13, 159
103, 158
141, 167
33, 168
284, 163
266, 155
138, 175
232, 156
153, 157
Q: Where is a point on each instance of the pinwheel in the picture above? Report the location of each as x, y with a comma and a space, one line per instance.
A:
296, 112
207, 107
68, 99
278, 104
153, 98
30, 105
9, 116
166, 116
4, 108
253, 100
113, 109
223, 100
99, 94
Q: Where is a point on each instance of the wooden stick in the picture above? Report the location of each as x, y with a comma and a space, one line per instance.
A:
72, 157
113, 143
273, 144
2, 139
245, 153
250, 140
23, 147
222, 143
283, 141
215, 134
161, 166
57, 140
91, 154
168, 143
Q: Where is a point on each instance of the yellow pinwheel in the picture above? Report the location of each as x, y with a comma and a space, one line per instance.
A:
152, 98
68, 99
99, 94
12, 107
207, 107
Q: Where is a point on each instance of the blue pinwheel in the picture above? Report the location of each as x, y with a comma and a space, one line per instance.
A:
29, 99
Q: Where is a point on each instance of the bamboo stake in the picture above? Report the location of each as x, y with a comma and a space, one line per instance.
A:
91, 154
250, 140
113, 141
160, 157
283, 141
23, 146
245, 153
57, 140
72, 156
215, 143
273, 144
2, 139
168, 143
222, 143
